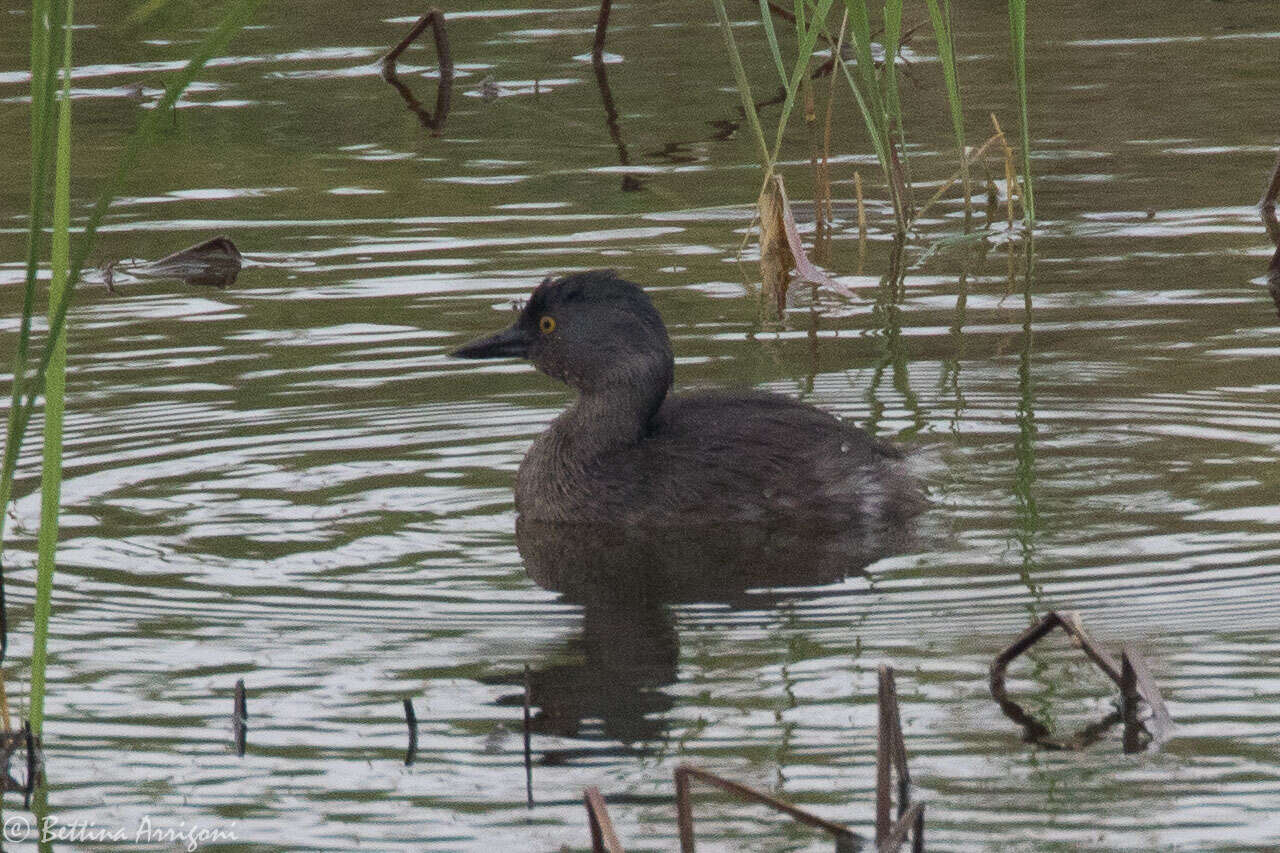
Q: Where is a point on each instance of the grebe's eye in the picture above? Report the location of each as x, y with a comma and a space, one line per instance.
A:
547, 324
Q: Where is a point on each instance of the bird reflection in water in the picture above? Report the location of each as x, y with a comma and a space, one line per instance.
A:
626, 581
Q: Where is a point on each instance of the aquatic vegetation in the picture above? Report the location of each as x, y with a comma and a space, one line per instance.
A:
51, 126
871, 70
1018, 36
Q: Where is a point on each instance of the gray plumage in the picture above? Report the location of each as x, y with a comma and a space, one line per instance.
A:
627, 451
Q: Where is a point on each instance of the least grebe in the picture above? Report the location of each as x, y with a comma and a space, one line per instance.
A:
627, 451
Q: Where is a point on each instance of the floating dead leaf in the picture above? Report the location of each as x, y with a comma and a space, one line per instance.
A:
213, 263
781, 250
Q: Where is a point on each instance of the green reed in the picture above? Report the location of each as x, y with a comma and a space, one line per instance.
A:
877, 96
806, 42
1018, 36
940, 20
51, 134
876, 87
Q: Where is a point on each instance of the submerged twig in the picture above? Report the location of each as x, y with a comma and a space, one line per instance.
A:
630, 182
862, 220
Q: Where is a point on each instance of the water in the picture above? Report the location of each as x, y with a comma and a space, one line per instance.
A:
288, 482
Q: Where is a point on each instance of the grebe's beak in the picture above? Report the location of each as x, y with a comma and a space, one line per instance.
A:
512, 342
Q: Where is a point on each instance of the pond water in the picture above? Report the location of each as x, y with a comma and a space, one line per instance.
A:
289, 482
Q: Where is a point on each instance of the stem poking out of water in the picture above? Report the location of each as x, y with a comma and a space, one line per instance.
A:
528, 742
434, 122
411, 719
240, 718
602, 29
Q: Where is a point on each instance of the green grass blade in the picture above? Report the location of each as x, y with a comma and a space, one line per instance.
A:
860, 37
744, 85
892, 96
54, 386
766, 18
892, 43
940, 20
43, 83
804, 52
1018, 35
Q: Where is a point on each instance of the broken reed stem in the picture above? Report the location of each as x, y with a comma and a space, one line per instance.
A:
1010, 172
913, 819
1135, 683
1146, 689
891, 756
602, 30
683, 773
444, 89
1129, 704
434, 19
528, 744
603, 837
411, 719
969, 160
684, 812
884, 747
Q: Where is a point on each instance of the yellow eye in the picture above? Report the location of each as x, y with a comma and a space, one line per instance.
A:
547, 324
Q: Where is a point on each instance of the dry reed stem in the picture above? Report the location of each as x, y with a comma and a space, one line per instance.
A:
1010, 173
845, 837
528, 742
897, 834
1138, 685
603, 837
970, 159
602, 29
1137, 682
444, 89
